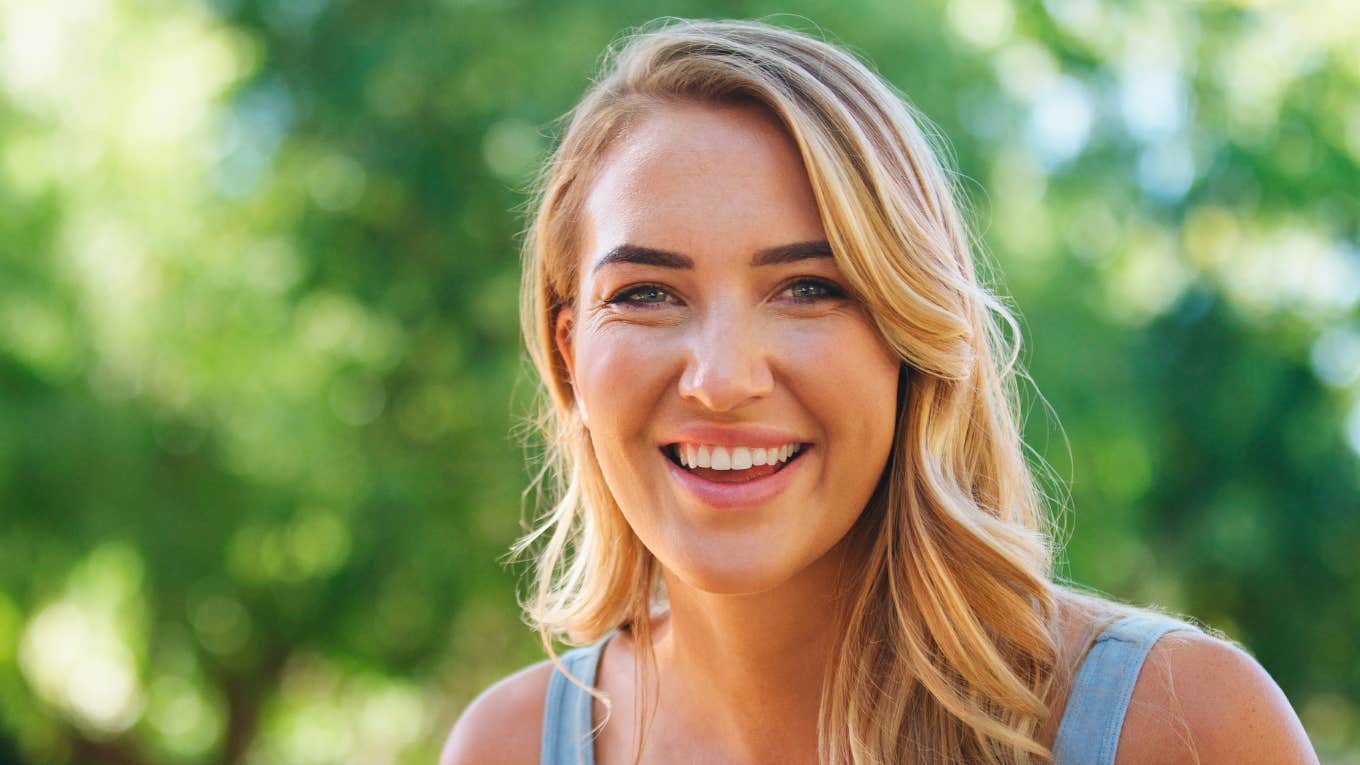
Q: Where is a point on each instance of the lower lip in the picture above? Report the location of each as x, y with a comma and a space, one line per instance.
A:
738, 495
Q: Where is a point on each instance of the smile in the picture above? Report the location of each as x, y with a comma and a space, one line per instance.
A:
733, 478
731, 458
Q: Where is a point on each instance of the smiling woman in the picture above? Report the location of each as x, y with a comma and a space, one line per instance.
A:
793, 520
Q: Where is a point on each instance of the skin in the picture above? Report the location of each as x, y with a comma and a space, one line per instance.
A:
738, 654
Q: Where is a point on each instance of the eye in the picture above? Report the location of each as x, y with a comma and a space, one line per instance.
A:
809, 290
642, 295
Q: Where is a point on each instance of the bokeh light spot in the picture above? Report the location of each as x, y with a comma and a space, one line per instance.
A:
512, 148
981, 23
336, 183
1060, 122
221, 624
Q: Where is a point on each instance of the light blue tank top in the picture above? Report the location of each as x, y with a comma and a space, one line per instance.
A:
1087, 735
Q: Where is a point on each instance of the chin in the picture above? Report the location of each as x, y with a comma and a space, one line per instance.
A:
715, 573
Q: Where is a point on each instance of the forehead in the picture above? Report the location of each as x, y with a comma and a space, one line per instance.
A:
689, 177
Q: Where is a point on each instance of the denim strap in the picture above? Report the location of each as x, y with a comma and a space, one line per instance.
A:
567, 720
1089, 732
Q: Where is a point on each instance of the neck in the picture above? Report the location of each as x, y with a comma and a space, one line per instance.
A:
749, 668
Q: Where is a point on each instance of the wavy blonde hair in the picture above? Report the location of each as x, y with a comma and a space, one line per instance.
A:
949, 643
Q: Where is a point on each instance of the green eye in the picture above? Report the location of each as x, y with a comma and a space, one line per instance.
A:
808, 290
812, 290
646, 294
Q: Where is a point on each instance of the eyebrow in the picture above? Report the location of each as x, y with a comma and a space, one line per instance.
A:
649, 256
791, 253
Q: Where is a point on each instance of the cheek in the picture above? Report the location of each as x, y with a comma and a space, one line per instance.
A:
847, 375
620, 372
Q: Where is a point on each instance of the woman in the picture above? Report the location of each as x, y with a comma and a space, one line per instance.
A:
793, 520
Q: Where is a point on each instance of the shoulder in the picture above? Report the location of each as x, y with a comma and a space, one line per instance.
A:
1204, 700
502, 726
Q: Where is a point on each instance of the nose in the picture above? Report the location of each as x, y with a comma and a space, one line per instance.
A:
728, 364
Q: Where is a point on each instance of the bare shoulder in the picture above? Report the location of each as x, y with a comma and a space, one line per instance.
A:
1204, 700
502, 726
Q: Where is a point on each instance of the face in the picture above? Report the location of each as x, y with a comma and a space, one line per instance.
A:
712, 326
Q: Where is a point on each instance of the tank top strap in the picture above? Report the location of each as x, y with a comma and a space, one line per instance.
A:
567, 722
1099, 699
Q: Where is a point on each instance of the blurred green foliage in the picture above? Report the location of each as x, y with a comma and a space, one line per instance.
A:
259, 363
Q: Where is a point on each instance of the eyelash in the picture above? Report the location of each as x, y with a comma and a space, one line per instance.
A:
622, 297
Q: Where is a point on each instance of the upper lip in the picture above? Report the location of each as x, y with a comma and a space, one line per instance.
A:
758, 436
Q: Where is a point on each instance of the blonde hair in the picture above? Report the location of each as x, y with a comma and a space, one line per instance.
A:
948, 644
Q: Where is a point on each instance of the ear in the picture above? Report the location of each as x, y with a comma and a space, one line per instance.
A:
563, 331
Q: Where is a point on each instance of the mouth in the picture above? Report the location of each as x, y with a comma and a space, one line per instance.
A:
730, 465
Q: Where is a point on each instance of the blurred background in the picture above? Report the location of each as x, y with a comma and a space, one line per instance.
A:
259, 361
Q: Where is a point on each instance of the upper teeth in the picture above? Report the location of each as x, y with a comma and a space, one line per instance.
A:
733, 457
